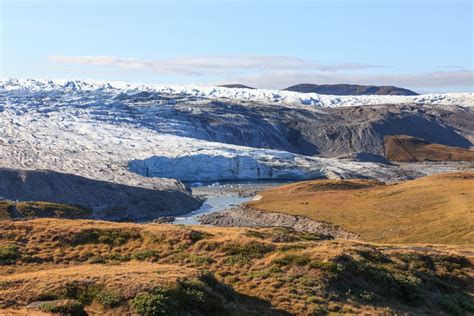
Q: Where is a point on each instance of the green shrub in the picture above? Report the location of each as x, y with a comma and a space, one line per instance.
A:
244, 253
238, 259
457, 304
144, 254
284, 234
254, 234
158, 303
109, 298
9, 254
452, 262
290, 247
82, 292
359, 276
200, 260
117, 256
195, 235
96, 259
64, 307
374, 256
114, 237
47, 296
290, 260
326, 266
187, 297
319, 310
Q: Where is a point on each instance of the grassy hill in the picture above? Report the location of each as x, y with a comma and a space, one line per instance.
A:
122, 268
435, 209
408, 149
11, 210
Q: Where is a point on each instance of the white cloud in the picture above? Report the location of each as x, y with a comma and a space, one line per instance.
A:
197, 66
439, 80
279, 71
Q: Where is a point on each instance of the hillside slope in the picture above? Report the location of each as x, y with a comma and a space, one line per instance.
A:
435, 209
120, 269
349, 89
408, 149
109, 200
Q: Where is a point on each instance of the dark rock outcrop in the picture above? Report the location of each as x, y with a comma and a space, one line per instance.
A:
109, 201
349, 89
236, 86
366, 157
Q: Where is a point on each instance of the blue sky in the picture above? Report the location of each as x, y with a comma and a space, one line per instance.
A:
420, 44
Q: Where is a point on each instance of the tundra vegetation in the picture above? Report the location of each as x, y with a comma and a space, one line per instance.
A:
84, 266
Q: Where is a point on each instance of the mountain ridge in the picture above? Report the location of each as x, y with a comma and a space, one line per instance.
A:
349, 89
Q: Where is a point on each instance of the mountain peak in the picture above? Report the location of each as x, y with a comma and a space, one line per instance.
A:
349, 89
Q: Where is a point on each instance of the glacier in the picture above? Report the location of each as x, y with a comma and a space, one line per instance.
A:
130, 134
59, 86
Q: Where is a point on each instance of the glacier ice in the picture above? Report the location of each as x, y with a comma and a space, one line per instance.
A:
87, 128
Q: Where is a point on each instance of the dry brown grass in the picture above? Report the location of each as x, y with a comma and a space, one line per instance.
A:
436, 209
407, 148
300, 275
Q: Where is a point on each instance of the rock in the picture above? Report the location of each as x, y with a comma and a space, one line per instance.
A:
246, 216
366, 157
164, 220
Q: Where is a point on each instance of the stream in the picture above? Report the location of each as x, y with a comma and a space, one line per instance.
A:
219, 197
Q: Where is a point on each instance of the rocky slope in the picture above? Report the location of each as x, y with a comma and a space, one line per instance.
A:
245, 216
349, 89
110, 201
326, 131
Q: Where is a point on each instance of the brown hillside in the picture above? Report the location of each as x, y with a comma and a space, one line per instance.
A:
408, 149
123, 269
436, 209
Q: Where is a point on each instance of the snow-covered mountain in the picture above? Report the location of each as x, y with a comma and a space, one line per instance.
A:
115, 88
133, 134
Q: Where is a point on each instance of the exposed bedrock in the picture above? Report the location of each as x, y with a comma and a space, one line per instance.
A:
108, 200
326, 131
